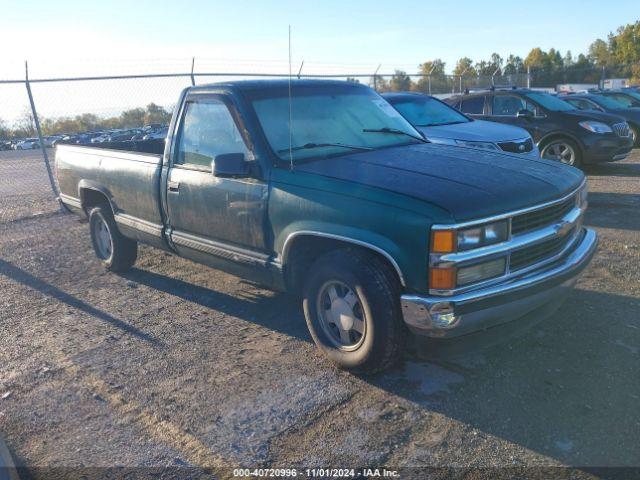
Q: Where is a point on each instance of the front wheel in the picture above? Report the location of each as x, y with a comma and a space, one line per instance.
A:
352, 307
635, 135
116, 252
562, 150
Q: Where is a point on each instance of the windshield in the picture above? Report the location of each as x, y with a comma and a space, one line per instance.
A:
428, 112
624, 99
550, 102
329, 121
606, 102
633, 94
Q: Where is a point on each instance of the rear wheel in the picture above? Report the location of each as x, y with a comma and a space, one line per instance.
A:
352, 307
116, 252
562, 150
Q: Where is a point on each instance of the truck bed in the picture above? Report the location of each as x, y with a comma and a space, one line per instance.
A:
128, 180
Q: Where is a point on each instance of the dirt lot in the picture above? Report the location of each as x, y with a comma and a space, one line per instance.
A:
177, 368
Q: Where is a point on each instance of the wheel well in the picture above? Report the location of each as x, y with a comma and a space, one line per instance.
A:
92, 198
559, 136
306, 249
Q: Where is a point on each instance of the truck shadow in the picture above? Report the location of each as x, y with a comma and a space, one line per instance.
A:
277, 311
19, 275
561, 389
613, 210
615, 169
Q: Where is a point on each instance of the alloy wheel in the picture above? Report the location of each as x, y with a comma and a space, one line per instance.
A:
561, 152
341, 315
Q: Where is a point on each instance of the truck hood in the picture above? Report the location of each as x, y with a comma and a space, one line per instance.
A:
476, 130
469, 184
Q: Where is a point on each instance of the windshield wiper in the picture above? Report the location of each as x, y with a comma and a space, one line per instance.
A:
308, 146
394, 131
440, 124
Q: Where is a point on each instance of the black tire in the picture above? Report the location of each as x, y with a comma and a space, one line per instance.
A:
122, 253
635, 135
545, 151
378, 296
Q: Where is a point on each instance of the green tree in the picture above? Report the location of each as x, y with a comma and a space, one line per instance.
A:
156, 114
600, 53
465, 64
624, 47
5, 132
400, 82
132, 118
379, 83
537, 59
514, 64
438, 81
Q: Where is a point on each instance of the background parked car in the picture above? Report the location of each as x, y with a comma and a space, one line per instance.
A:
441, 123
561, 131
626, 98
606, 103
28, 144
158, 134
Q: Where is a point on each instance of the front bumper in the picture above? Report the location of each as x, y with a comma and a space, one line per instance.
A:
609, 148
440, 316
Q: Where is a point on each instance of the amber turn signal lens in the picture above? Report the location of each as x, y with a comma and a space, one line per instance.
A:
442, 278
443, 241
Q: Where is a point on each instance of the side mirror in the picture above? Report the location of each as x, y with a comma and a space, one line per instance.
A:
526, 114
232, 165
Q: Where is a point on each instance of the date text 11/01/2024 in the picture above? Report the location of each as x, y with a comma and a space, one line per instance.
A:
316, 472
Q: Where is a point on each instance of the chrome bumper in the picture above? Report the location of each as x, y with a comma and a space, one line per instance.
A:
438, 316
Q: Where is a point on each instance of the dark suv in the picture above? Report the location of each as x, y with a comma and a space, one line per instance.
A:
561, 131
608, 104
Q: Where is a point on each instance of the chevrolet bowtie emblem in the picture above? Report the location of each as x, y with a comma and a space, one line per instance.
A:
563, 228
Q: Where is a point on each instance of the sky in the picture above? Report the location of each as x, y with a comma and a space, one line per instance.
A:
253, 34
65, 38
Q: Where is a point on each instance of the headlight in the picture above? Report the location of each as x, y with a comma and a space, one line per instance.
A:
480, 145
448, 241
596, 127
482, 236
481, 271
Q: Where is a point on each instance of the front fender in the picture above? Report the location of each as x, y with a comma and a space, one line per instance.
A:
379, 244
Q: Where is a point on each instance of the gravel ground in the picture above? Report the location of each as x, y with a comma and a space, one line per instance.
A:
175, 369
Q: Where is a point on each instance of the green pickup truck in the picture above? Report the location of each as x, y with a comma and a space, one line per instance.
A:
322, 189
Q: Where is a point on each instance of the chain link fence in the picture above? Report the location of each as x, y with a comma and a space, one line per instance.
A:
81, 108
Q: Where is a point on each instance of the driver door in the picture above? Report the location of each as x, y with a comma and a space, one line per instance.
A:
210, 215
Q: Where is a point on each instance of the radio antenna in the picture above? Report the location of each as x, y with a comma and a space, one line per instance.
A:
290, 109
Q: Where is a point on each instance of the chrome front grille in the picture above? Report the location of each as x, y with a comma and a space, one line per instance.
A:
538, 237
536, 219
528, 256
622, 129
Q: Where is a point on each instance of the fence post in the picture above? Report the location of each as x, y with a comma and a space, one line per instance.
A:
529, 76
375, 78
54, 187
602, 77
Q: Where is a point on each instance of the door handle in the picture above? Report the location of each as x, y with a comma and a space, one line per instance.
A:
173, 186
